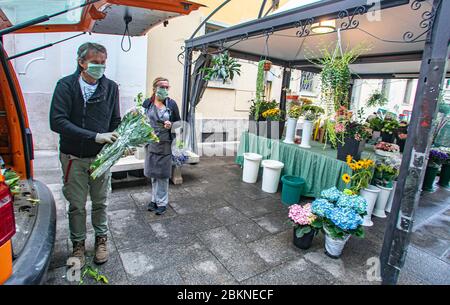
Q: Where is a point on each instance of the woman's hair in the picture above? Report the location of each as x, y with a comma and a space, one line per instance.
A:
156, 81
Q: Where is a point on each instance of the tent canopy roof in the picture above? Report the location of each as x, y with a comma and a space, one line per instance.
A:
395, 31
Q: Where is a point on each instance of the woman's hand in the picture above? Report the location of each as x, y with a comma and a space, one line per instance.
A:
167, 124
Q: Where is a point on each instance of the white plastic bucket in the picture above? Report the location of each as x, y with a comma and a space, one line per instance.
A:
334, 247
271, 175
306, 134
370, 194
140, 153
251, 167
382, 200
391, 198
290, 131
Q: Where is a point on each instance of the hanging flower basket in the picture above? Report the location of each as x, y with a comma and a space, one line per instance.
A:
267, 65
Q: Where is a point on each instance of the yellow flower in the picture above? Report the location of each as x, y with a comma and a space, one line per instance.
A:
349, 159
346, 178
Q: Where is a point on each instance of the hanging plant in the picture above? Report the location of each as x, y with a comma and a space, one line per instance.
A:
222, 67
377, 99
256, 109
267, 65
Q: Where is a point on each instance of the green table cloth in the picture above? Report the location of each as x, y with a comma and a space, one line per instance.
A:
318, 166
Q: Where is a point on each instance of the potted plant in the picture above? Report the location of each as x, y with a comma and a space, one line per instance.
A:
351, 133
377, 99
274, 122
444, 176
305, 224
341, 214
436, 158
390, 126
383, 178
362, 172
222, 67
310, 114
267, 65
376, 124
293, 115
385, 149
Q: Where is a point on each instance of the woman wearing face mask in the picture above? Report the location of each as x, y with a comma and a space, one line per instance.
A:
162, 112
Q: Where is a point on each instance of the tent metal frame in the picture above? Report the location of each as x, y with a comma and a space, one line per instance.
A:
434, 60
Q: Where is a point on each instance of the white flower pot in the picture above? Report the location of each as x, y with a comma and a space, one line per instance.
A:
382, 200
140, 153
271, 175
334, 247
370, 194
290, 131
251, 167
391, 198
306, 134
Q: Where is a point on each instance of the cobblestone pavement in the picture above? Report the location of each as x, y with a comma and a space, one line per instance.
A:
219, 230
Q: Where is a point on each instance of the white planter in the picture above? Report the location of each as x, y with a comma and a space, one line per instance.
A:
271, 175
334, 247
382, 200
290, 130
370, 194
140, 153
306, 134
391, 198
251, 167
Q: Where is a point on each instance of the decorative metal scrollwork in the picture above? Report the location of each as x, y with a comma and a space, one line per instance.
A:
426, 23
351, 22
305, 27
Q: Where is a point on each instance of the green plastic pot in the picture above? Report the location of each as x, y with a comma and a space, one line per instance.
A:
430, 176
292, 189
444, 177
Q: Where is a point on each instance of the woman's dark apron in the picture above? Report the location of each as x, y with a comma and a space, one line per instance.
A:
158, 159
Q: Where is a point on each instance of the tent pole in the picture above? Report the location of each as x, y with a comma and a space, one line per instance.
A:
415, 157
186, 87
285, 84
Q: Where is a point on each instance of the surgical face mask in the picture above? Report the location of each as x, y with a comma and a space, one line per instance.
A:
162, 93
95, 70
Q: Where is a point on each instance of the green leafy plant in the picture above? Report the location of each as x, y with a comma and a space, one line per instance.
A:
222, 67
385, 175
12, 179
295, 111
377, 99
94, 274
258, 108
390, 125
311, 112
375, 123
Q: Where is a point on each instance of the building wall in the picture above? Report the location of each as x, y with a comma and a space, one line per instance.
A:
38, 73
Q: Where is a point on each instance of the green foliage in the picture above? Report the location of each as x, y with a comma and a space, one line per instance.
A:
390, 126
258, 108
377, 99
222, 67
295, 111
385, 175
12, 179
376, 123
300, 231
93, 273
337, 233
311, 112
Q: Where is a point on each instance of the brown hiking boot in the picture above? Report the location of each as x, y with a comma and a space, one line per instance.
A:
77, 253
101, 250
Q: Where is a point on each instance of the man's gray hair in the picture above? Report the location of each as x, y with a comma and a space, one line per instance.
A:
84, 49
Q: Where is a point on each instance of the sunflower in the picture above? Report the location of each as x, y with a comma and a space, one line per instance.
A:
349, 159
346, 178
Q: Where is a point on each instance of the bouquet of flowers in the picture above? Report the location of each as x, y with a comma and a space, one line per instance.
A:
303, 219
341, 212
179, 154
273, 114
295, 111
362, 174
389, 147
311, 112
348, 127
134, 130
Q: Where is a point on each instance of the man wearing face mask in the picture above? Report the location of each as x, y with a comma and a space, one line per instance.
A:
85, 112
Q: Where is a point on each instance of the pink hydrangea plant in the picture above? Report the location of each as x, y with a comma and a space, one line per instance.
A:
301, 215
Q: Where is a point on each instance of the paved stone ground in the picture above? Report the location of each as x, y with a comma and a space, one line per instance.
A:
219, 230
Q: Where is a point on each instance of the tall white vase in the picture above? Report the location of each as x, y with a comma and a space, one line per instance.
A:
391, 198
306, 134
290, 132
382, 200
370, 194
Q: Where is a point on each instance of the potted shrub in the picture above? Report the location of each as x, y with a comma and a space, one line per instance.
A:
305, 223
376, 124
383, 178
390, 126
293, 115
436, 158
352, 134
222, 67
341, 215
310, 114
274, 123
444, 176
